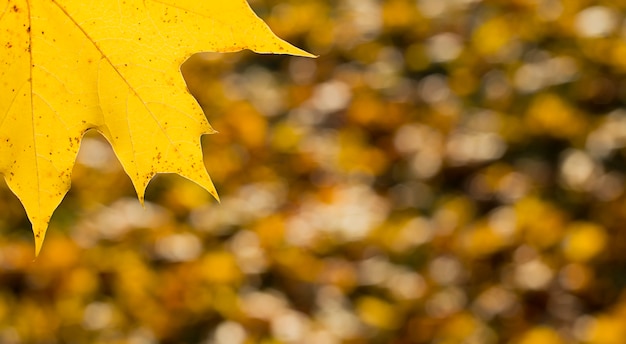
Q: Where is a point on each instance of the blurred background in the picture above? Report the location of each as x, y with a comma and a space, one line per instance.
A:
447, 171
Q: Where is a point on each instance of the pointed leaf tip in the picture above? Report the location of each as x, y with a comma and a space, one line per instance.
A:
39, 233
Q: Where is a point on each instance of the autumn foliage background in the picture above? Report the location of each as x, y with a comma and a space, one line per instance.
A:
446, 171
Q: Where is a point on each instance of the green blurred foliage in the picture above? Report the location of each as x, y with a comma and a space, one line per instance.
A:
447, 171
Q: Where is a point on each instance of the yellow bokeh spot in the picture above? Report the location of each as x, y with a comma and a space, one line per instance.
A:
541, 335
482, 240
584, 241
618, 55
459, 327
399, 14
606, 330
541, 223
550, 114
377, 313
220, 267
492, 36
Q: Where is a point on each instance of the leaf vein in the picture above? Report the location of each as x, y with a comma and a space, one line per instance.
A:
105, 57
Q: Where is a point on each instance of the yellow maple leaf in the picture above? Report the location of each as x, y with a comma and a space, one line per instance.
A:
67, 66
